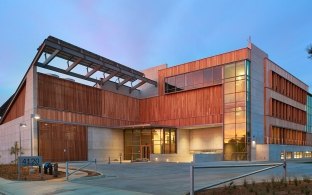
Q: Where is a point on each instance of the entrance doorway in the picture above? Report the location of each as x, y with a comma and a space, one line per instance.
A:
145, 152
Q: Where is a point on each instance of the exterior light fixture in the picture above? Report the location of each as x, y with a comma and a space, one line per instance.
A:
33, 117
253, 143
23, 125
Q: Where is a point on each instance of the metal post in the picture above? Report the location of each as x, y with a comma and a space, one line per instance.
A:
95, 165
20, 141
285, 166
192, 180
66, 170
18, 170
109, 160
120, 159
31, 135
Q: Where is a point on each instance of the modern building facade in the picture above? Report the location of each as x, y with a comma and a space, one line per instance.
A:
237, 105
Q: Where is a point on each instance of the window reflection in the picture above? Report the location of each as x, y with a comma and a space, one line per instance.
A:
194, 80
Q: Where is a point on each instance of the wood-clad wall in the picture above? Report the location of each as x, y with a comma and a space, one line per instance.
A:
224, 58
63, 100
194, 107
54, 138
17, 107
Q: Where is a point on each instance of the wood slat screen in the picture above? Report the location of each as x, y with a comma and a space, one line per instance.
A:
279, 135
287, 88
195, 107
54, 138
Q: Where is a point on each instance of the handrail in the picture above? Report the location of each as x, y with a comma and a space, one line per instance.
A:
271, 166
88, 163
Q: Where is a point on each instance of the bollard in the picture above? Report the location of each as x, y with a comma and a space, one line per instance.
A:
95, 165
39, 168
191, 180
50, 169
120, 160
55, 173
109, 160
67, 170
45, 169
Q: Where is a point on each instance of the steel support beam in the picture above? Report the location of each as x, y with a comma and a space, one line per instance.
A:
102, 82
103, 65
122, 82
92, 72
50, 58
136, 86
73, 65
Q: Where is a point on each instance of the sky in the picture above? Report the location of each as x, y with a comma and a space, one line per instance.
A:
146, 33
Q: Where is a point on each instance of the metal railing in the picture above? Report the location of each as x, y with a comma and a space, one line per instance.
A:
87, 163
271, 166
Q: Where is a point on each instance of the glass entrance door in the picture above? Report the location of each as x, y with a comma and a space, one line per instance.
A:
145, 152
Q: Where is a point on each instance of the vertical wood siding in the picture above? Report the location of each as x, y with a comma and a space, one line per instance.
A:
17, 109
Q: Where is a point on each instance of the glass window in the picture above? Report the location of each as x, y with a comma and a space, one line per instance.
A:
180, 82
240, 117
217, 74
208, 80
228, 98
240, 85
229, 131
230, 107
229, 71
198, 77
229, 117
229, 87
189, 79
173, 141
170, 84
240, 96
240, 68
241, 130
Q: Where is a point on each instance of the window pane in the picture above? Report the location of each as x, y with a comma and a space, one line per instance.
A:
229, 131
228, 98
208, 76
240, 68
229, 71
180, 82
169, 84
198, 77
240, 85
241, 130
189, 78
240, 96
230, 107
229, 117
229, 87
217, 74
240, 117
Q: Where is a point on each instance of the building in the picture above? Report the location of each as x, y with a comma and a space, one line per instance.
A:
237, 105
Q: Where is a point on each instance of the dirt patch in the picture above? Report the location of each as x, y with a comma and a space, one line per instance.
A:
275, 186
10, 172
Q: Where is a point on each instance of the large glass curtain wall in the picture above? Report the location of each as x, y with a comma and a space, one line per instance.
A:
140, 143
236, 110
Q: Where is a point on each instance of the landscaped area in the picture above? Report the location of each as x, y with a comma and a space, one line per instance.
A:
9, 171
274, 186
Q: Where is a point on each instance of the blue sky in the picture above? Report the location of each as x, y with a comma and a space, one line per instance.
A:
141, 34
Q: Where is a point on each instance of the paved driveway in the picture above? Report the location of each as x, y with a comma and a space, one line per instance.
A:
173, 178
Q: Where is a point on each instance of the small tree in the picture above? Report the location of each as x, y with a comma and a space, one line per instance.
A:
309, 50
15, 149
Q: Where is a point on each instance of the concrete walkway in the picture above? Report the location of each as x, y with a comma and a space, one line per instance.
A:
149, 178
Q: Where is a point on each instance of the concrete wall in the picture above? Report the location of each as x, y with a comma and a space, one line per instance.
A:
104, 143
272, 152
257, 94
206, 139
10, 131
